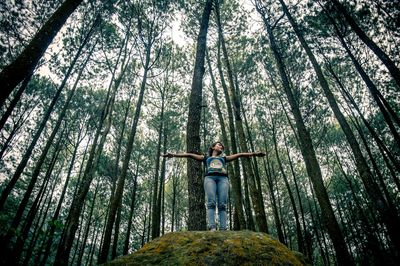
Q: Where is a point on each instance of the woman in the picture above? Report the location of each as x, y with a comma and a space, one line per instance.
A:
216, 183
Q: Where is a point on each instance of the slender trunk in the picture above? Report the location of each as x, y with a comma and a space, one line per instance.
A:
236, 180
56, 214
300, 241
376, 95
308, 246
375, 136
88, 224
117, 199
65, 244
270, 173
155, 220
310, 158
132, 210
23, 66
258, 207
197, 217
14, 102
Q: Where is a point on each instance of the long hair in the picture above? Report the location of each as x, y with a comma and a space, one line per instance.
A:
210, 149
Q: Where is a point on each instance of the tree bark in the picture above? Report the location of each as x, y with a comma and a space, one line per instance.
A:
197, 217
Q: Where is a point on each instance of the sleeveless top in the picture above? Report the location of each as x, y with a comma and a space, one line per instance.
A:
215, 166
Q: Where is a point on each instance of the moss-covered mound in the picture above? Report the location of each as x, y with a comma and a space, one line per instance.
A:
212, 248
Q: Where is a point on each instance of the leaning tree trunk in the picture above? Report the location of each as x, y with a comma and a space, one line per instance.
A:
197, 218
388, 215
310, 158
14, 102
25, 63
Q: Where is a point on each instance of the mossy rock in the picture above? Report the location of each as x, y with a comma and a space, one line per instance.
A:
212, 248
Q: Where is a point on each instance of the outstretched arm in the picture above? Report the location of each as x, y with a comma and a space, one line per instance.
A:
244, 154
195, 156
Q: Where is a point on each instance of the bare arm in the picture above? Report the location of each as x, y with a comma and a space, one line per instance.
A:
244, 154
194, 156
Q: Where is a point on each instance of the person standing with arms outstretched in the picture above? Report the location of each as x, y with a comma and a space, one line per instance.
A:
216, 182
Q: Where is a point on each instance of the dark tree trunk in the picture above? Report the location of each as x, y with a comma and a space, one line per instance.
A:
25, 63
155, 220
376, 95
117, 199
87, 229
132, 209
14, 101
197, 217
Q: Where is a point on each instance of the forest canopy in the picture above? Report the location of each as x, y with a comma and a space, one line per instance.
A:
94, 92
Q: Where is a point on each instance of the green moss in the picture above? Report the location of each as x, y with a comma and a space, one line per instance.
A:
212, 248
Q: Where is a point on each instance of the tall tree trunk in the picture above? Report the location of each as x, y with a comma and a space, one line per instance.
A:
117, 199
310, 158
88, 224
373, 133
66, 242
391, 66
235, 184
56, 214
300, 241
41, 160
23, 66
236, 180
155, 220
21, 166
131, 212
197, 217
269, 170
258, 208
388, 215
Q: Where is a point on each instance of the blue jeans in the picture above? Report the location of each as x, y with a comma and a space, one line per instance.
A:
216, 187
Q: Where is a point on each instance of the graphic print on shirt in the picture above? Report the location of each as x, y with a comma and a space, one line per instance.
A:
216, 165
